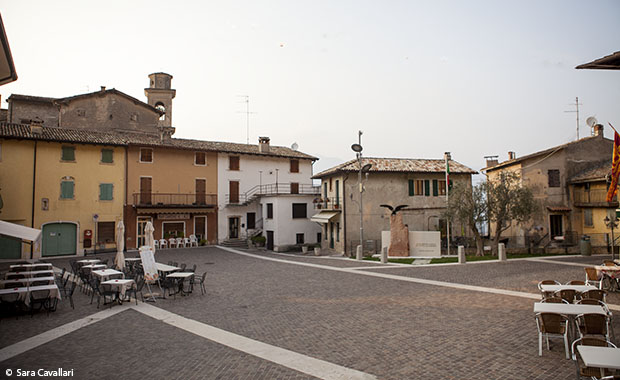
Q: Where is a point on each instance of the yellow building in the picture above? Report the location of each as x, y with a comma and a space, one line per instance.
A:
78, 179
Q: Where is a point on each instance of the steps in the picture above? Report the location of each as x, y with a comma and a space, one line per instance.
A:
235, 243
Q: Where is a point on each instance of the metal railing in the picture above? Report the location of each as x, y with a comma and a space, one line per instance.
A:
328, 203
271, 189
170, 199
593, 197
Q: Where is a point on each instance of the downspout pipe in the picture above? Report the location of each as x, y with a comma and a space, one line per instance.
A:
34, 181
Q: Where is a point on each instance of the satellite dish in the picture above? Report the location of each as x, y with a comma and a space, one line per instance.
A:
295, 146
356, 148
591, 121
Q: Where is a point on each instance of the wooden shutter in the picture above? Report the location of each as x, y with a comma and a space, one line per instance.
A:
427, 187
200, 158
68, 153
107, 156
411, 189
294, 188
145, 190
201, 190
233, 191
294, 166
106, 191
435, 188
233, 162
67, 190
146, 155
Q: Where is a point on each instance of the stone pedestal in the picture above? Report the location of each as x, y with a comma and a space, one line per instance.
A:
501, 252
384, 255
358, 253
399, 236
461, 253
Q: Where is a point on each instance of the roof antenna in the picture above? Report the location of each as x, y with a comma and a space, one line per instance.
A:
577, 104
247, 113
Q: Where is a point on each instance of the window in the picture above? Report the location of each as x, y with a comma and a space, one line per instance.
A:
233, 163
435, 188
299, 238
160, 107
107, 156
442, 187
294, 188
233, 192
554, 177
200, 158
294, 166
337, 231
81, 113
106, 191
299, 210
67, 188
337, 193
105, 232
418, 188
146, 155
269, 210
411, 188
68, 153
427, 187
133, 117
587, 218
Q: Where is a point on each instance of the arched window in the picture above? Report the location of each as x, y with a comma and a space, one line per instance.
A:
160, 106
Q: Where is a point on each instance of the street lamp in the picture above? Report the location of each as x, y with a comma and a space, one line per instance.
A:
357, 148
611, 224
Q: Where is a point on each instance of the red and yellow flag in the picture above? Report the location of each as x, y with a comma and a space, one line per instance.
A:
615, 168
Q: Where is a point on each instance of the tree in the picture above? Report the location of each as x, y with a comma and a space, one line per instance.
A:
509, 201
468, 205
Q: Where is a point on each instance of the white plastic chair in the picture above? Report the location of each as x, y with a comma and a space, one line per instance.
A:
180, 242
193, 240
156, 242
186, 242
163, 243
172, 242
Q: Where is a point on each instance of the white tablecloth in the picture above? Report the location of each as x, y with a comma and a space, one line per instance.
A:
121, 285
24, 292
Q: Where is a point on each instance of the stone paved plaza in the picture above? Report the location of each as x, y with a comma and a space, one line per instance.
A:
280, 316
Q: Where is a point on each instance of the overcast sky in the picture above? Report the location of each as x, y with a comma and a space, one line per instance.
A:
418, 78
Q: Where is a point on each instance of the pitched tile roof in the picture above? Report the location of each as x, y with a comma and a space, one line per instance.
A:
23, 131
405, 165
598, 172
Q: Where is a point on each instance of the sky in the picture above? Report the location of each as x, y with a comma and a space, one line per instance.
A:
419, 78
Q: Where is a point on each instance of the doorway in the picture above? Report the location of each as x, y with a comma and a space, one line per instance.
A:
200, 227
331, 235
555, 224
233, 227
141, 235
59, 239
270, 240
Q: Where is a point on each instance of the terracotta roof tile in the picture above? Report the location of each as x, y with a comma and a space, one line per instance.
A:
597, 172
406, 165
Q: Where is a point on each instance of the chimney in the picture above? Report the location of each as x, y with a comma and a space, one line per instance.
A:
598, 130
36, 126
263, 144
491, 160
512, 155
102, 88
447, 156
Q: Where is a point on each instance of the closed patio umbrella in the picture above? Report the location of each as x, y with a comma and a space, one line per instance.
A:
150, 240
119, 260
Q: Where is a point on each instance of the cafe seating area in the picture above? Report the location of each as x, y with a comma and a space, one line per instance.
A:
577, 315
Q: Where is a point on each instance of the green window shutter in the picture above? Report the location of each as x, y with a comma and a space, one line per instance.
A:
411, 193
67, 189
427, 187
435, 188
106, 191
107, 156
68, 153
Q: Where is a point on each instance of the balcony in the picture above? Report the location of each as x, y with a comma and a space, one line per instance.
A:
270, 190
594, 198
328, 204
174, 200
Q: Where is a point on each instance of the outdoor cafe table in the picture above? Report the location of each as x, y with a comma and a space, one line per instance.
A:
121, 285
166, 268
24, 292
577, 288
600, 357
94, 266
610, 270
87, 261
48, 265
182, 276
132, 259
568, 309
27, 281
10, 275
106, 273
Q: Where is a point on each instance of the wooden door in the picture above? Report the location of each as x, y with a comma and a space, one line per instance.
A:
145, 190
233, 192
251, 220
201, 190
270, 240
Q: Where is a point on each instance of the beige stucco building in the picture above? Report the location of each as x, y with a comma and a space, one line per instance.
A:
418, 183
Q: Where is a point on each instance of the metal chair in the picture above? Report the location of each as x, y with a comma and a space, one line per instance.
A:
593, 324
581, 368
38, 298
566, 294
554, 300
547, 282
576, 282
552, 325
592, 277
200, 281
597, 294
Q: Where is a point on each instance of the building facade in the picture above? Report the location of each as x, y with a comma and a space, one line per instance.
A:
418, 183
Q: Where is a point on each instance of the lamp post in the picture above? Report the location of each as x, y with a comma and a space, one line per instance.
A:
357, 148
611, 224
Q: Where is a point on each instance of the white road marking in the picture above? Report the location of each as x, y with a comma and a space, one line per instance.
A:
299, 362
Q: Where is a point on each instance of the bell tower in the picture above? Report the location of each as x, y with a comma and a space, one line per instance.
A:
160, 95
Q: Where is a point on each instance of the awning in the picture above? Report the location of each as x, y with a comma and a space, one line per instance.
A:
19, 231
559, 209
177, 210
324, 216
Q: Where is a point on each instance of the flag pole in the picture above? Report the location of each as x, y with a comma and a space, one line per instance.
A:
447, 156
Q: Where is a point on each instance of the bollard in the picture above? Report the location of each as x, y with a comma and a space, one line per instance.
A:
501, 252
384, 255
317, 251
358, 255
461, 253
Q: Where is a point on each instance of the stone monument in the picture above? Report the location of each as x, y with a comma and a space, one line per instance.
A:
399, 233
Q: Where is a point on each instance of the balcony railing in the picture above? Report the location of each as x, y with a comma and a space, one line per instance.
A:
271, 189
592, 198
328, 204
172, 200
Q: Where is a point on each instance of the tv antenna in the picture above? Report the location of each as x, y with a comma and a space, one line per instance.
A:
577, 104
247, 113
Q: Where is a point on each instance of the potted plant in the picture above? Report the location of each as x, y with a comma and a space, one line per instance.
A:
304, 249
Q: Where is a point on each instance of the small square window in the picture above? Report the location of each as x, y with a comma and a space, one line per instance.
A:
299, 238
67, 189
233, 163
81, 113
294, 188
269, 210
146, 155
106, 232
106, 191
200, 158
107, 156
554, 177
587, 218
300, 210
68, 153
294, 166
